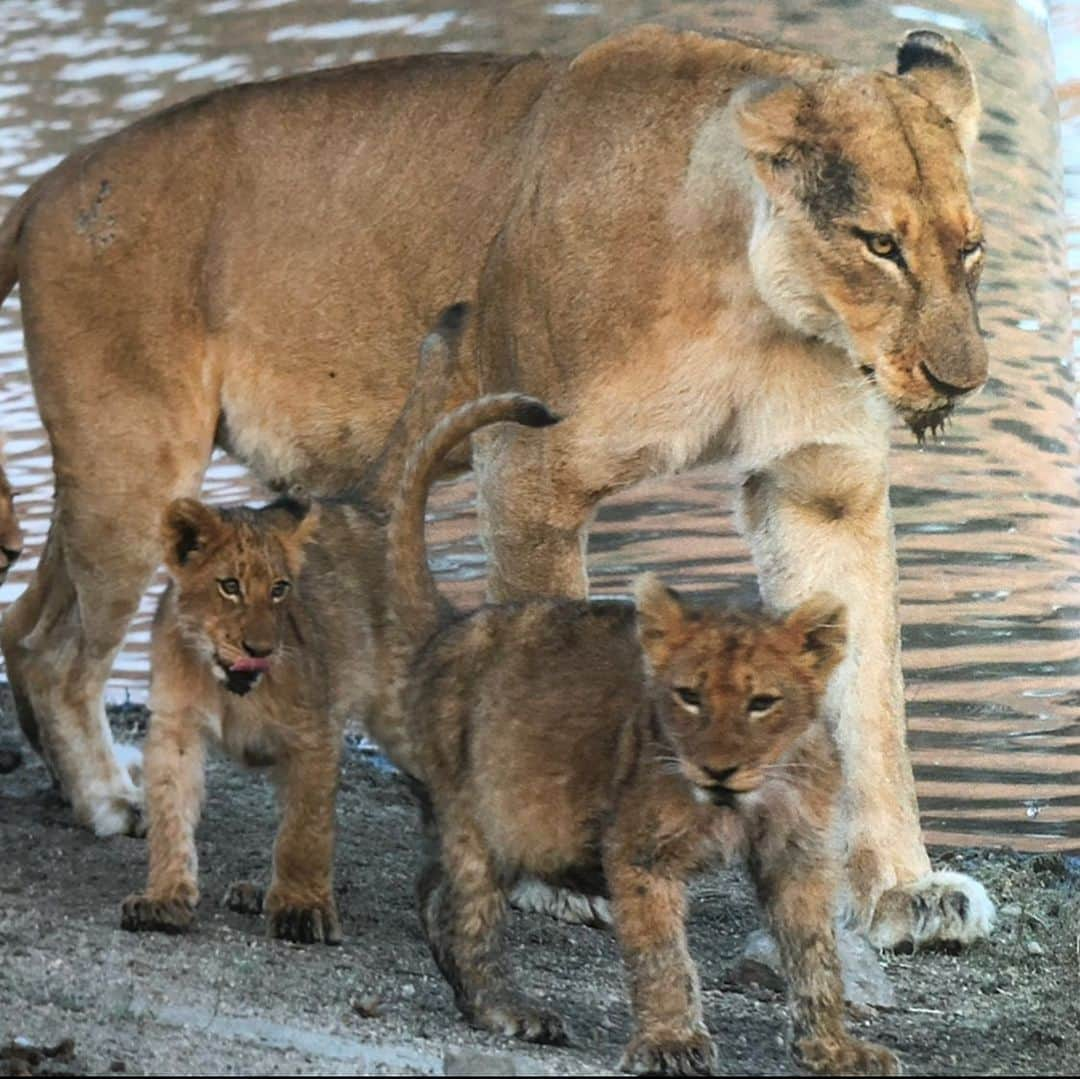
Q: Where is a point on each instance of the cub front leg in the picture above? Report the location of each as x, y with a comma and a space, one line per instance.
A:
299, 905
819, 520
670, 1036
796, 883
173, 771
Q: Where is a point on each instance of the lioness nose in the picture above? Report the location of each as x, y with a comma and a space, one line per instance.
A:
947, 389
258, 651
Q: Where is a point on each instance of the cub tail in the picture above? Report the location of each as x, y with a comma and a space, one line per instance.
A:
412, 597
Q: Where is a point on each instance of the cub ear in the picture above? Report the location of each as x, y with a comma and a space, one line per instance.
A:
189, 529
821, 626
661, 616
294, 519
939, 71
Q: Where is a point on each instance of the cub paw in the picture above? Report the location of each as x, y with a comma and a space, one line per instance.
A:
846, 1056
303, 924
141, 914
694, 1056
244, 897
942, 909
520, 1018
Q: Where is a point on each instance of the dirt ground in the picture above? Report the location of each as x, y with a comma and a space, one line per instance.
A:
225, 1000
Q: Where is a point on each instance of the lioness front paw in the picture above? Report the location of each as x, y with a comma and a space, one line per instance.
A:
303, 924
846, 1056
941, 909
694, 1056
518, 1017
141, 914
244, 897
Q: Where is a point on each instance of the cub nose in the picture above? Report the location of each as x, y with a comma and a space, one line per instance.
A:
12, 555
258, 651
721, 776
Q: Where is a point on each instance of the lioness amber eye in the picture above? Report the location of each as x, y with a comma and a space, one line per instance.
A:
882, 245
972, 248
279, 589
760, 705
690, 698
229, 586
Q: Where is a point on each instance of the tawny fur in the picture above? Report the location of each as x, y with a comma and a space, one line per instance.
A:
621, 750
270, 637
696, 249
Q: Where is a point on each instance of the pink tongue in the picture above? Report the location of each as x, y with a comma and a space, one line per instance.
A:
251, 664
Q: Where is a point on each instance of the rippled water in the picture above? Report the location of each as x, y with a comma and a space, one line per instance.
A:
987, 520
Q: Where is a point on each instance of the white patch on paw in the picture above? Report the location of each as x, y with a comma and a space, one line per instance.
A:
534, 897
129, 758
941, 908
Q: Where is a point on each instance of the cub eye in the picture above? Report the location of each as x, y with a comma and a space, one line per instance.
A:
690, 699
759, 705
278, 590
881, 245
229, 586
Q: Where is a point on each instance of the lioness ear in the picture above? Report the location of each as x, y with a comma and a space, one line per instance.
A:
821, 624
189, 528
939, 71
660, 616
766, 115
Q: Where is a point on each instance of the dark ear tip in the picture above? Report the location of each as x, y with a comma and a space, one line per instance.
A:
926, 48
296, 505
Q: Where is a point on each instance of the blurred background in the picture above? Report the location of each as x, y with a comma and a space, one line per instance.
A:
987, 518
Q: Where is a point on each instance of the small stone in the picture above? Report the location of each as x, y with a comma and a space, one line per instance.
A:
118, 1066
472, 1063
1035, 948
865, 983
1010, 910
10, 759
367, 1006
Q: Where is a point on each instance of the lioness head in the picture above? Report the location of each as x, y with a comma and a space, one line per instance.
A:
737, 689
234, 572
11, 536
865, 234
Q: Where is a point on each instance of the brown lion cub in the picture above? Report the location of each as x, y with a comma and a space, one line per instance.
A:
269, 638
623, 748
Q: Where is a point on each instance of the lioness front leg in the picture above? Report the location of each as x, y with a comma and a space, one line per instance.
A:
173, 770
819, 520
796, 884
670, 1036
299, 904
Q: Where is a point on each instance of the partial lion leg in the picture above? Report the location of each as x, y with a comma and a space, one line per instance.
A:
462, 910
299, 904
819, 520
534, 527
174, 793
116, 470
670, 1036
797, 885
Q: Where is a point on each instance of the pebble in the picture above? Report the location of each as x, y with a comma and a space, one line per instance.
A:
1035, 948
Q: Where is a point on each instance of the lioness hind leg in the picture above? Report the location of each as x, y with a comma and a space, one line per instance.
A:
462, 910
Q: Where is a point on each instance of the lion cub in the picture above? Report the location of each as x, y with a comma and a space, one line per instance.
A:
268, 639
624, 748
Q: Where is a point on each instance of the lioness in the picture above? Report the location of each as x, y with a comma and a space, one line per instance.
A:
589, 742
697, 249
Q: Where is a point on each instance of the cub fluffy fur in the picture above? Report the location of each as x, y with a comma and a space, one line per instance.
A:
269, 638
619, 749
